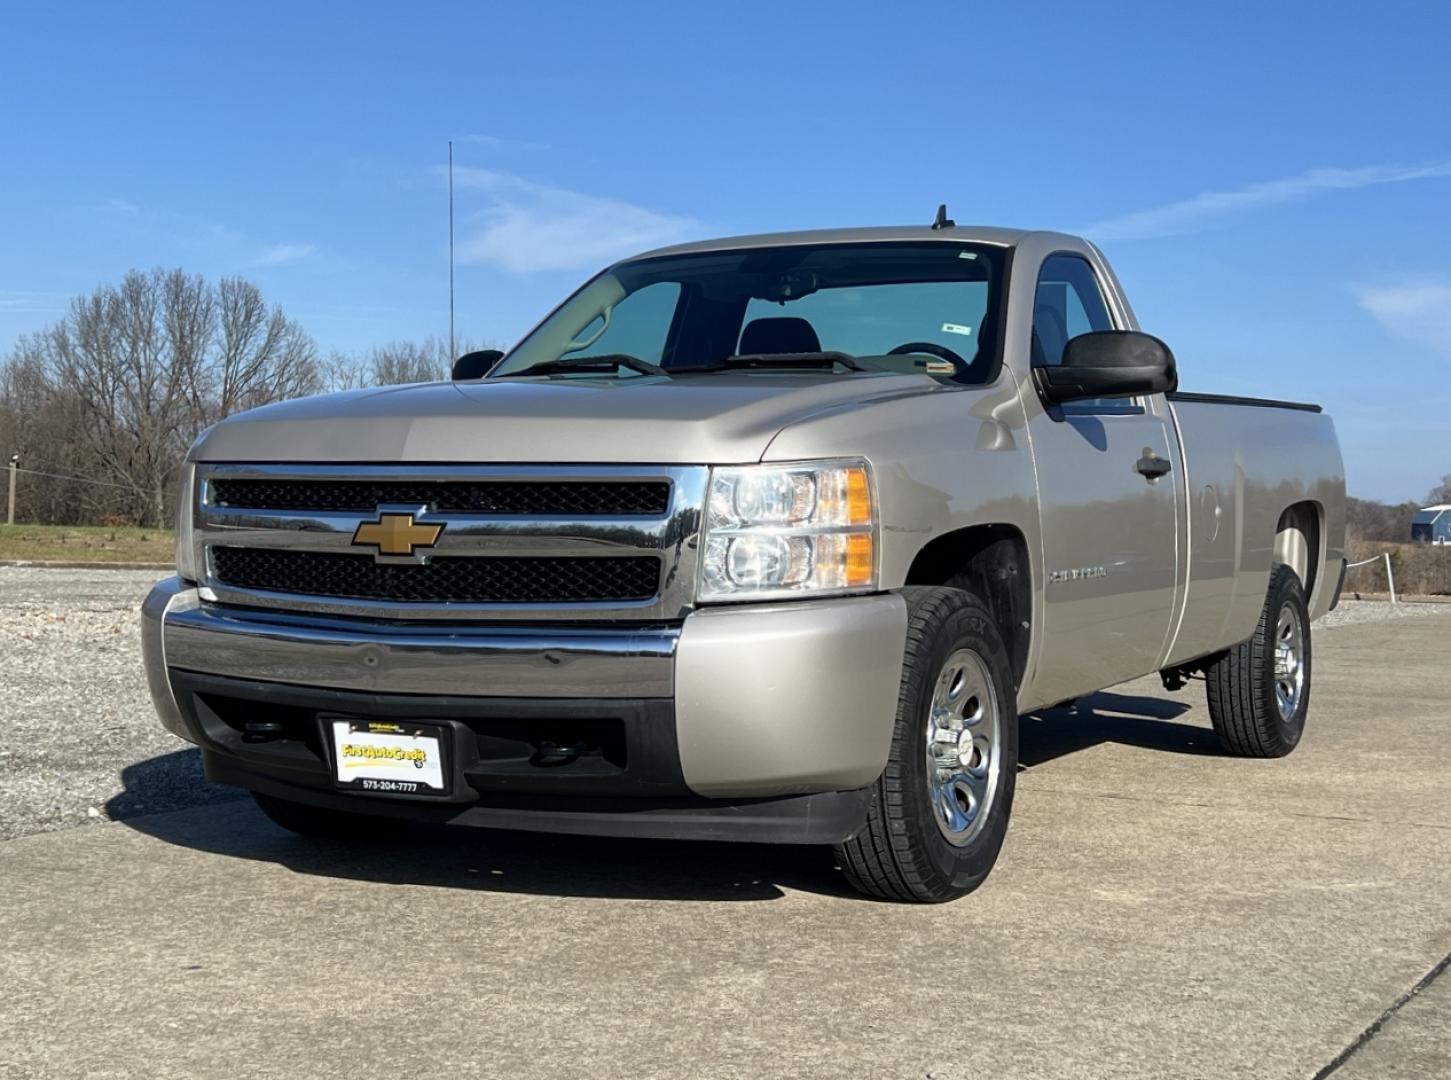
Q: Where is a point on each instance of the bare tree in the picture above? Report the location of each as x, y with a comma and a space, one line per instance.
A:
1440, 495
261, 355
35, 422
428, 360
108, 399
113, 350
410, 362
341, 371
126, 380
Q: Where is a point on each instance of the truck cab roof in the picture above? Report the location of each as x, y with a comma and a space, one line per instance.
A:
976, 234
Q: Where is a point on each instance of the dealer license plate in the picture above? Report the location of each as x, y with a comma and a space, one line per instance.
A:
388, 758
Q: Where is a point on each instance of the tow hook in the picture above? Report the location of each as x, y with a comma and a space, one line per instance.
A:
255, 731
551, 754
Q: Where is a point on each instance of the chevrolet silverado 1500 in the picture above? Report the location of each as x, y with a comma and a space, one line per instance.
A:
768, 538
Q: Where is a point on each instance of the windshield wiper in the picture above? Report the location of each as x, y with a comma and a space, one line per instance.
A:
781, 360
607, 362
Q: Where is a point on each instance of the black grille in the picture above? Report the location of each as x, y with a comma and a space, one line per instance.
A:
465, 580
527, 498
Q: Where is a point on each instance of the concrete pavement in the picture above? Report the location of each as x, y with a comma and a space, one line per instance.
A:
1159, 911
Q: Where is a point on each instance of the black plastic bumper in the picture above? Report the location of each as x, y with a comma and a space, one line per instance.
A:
596, 767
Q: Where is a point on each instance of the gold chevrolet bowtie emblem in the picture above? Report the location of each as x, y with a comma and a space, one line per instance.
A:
396, 534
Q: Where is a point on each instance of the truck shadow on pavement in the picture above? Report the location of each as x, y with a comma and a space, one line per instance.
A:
484, 860
1145, 722
167, 798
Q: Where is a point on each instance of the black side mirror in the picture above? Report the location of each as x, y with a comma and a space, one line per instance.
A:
475, 365
1109, 363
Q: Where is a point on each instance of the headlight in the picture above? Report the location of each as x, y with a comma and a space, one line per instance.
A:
185, 545
789, 530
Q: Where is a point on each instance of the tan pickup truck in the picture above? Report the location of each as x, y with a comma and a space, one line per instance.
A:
769, 538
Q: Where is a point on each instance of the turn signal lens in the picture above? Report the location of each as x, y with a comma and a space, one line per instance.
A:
860, 565
858, 499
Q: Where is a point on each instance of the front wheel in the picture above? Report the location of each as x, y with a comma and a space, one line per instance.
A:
1259, 691
940, 809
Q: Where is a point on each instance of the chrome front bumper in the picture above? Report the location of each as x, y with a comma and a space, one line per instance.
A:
354, 654
768, 700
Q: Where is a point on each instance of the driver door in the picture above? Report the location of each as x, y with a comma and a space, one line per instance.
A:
1109, 541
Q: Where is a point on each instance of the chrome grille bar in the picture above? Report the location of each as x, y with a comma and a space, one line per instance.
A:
670, 536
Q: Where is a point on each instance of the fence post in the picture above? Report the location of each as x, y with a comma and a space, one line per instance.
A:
10, 507
1389, 578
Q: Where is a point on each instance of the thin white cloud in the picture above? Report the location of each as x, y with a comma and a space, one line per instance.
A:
123, 207
497, 142
1184, 216
27, 300
278, 254
169, 225
1419, 312
526, 227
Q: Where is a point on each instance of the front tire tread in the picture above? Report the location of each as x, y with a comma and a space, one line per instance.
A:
887, 858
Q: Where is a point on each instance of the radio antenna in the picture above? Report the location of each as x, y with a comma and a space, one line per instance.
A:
452, 343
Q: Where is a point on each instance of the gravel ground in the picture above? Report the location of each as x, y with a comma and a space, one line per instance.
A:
1351, 612
74, 711
78, 739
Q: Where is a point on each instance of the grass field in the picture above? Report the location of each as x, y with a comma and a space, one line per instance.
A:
86, 543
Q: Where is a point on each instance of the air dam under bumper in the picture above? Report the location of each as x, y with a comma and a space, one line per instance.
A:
756, 722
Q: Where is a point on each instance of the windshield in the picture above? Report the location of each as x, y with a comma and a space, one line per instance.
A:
922, 307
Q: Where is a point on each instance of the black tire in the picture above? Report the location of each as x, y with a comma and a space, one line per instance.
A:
902, 853
1243, 687
325, 824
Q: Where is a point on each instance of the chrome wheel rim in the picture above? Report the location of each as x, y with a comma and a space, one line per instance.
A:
964, 747
1289, 662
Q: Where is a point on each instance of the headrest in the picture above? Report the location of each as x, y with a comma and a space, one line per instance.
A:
1050, 336
779, 335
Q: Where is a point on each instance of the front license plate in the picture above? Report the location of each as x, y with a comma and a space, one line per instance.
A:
388, 758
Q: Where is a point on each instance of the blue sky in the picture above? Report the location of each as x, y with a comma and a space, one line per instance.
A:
1272, 181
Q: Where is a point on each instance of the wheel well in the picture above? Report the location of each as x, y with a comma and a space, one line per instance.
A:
991, 561
1297, 542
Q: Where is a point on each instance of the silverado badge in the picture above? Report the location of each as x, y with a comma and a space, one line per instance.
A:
396, 534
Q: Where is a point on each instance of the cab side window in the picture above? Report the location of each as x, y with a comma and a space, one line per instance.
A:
1068, 302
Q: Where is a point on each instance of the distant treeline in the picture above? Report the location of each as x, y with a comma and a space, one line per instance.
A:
107, 400
1367, 519
1376, 528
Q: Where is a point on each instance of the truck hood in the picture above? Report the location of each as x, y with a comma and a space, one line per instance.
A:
709, 419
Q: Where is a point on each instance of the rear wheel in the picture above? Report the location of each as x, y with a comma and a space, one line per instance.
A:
323, 823
940, 809
1259, 691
